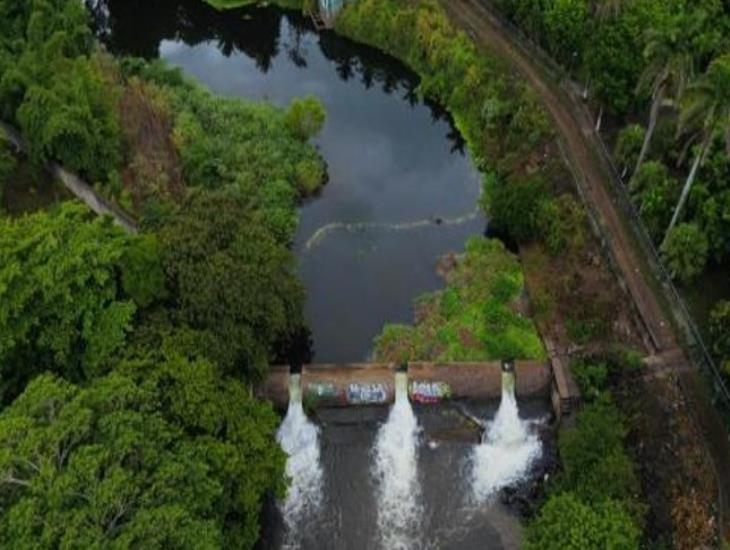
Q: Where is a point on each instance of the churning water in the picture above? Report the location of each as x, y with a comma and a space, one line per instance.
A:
299, 438
396, 474
508, 448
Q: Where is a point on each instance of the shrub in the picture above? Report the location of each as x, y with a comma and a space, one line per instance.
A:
305, 117
685, 251
514, 206
566, 523
628, 146
595, 465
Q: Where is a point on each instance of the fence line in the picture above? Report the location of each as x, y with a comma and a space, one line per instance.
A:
700, 354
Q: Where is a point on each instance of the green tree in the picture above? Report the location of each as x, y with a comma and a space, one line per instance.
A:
628, 146
654, 191
669, 68
592, 453
142, 276
566, 523
60, 303
566, 25
720, 332
685, 251
7, 163
515, 206
305, 117
159, 454
229, 276
706, 111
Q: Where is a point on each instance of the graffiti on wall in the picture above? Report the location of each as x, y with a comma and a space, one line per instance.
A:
366, 394
429, 392
322, 390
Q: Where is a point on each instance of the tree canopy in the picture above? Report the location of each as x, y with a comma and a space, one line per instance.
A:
161, 453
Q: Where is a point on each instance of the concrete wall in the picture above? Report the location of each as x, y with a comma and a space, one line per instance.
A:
433, 382
373, 383
352, 384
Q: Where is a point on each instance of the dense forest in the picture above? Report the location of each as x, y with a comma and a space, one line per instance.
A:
127, 361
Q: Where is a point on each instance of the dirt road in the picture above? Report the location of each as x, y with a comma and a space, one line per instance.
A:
593, 174
577, 134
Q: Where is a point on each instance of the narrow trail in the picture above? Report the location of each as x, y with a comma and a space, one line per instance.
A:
593, 177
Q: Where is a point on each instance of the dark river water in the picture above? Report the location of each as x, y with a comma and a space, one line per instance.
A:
398, 169
396, 166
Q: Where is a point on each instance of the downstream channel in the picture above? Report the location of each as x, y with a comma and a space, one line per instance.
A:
402, 192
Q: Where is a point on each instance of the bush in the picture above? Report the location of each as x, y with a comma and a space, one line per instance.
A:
595, 466
566, 523
142, 276
628, 146
720, 332
562, 224
685, 251
591, 377
514, 207
8, 163
655, 194
305, 117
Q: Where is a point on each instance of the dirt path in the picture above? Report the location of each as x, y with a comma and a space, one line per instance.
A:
592, 171
577, 135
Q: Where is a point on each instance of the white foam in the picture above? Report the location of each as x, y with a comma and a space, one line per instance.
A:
508, 449
396, 474
299, 438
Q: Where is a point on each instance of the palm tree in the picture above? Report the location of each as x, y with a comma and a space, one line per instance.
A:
707, 111
669, 69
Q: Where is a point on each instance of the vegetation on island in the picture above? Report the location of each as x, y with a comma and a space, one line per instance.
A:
479, 316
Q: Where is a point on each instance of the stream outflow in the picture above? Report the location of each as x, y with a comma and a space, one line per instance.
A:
504, 457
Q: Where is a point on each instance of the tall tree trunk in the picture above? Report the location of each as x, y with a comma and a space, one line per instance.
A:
600, 119
690, 181
653, 118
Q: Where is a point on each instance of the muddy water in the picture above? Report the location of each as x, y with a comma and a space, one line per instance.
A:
402, 191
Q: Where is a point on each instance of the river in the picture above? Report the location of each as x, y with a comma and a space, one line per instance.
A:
402, 191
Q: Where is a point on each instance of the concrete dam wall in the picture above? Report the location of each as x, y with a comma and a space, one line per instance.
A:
342, 385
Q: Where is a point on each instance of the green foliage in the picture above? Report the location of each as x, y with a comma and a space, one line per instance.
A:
566, 26
595, 464
591, 377
227, 142
720, 332
685, 251
160, 454
60, 306
628, 146
142, 276
230, 277
55, 90
514, 207
476, 318
8, 163
567, 523
562, 224
305, 117
655, 193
